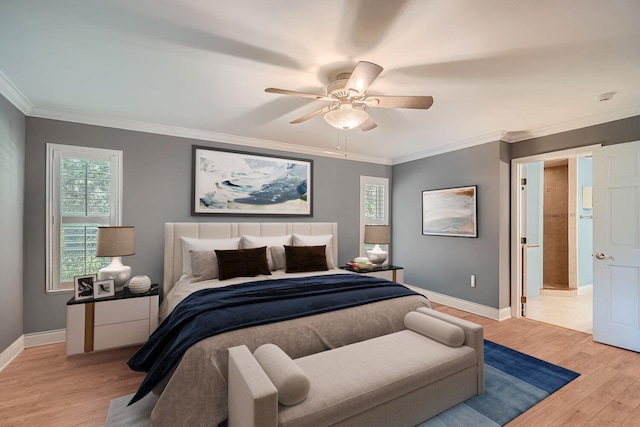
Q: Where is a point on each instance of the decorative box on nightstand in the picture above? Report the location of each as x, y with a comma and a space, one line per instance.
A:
389, 272
117, 321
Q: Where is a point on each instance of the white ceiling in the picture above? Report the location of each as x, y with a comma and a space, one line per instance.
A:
507, 69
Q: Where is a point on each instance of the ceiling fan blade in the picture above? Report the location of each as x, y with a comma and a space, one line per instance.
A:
368, 125
310, 115
420, 102
295, 93
363, 75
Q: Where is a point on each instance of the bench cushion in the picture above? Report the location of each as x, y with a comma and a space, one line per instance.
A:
290, 381
351, 379
437, 329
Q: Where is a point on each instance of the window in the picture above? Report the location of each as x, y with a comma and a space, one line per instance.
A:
84, 191
374, 206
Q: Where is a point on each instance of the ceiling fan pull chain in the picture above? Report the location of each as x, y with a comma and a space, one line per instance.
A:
345, 141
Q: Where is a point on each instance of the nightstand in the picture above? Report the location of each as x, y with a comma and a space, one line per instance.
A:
118, 321
389, 272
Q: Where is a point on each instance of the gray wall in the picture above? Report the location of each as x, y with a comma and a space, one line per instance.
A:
12, 148
445, 264
157, 182
157, 189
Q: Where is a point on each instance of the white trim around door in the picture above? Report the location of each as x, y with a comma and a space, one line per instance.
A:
516, 216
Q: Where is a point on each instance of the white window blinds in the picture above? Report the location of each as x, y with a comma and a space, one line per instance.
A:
374, 206
84, 186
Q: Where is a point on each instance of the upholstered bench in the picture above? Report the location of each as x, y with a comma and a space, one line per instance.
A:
400, 379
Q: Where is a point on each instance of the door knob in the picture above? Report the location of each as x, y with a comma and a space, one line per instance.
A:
600, 255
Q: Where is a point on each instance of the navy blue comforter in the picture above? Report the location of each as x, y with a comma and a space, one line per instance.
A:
213, 311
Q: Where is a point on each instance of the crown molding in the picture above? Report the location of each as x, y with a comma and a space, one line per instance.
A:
517, 136
199, 135
583, 122
483, 139
14, 96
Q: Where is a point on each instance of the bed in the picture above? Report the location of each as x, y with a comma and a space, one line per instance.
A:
194, 392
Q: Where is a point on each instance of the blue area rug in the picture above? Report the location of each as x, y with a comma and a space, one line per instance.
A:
514, 382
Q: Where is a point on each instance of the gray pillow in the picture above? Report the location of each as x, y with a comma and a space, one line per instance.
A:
278, 257
270, 242
204, 265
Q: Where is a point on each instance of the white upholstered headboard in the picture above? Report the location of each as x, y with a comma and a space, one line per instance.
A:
173, 231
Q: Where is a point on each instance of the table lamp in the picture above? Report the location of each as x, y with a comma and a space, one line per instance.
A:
116, 242
377, 234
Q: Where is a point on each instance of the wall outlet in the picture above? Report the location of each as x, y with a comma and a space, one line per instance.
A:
473, 280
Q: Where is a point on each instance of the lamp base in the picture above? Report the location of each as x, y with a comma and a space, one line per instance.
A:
116, 271
377, 256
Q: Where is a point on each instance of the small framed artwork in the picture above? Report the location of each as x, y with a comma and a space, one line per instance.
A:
241, 183
83, 286
104, 288
450, 212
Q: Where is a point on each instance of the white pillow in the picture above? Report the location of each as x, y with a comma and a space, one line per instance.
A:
319, 240
191, 244
268, 241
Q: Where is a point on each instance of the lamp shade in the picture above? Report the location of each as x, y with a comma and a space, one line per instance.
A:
346, 118
380, 234
116, 241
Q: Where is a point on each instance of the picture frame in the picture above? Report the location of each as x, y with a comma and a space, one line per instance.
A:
83, 286
227, 182
104, 288
450, 212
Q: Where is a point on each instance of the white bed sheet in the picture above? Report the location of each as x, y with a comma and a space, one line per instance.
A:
185, 287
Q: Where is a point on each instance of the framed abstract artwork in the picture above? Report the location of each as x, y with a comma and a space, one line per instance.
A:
450, 212
240, 183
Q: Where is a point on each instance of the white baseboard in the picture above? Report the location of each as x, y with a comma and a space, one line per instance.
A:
585, 289
43, 338
468, 306
31, 340
11, 352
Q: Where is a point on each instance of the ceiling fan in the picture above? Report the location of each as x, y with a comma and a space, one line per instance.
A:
349, 101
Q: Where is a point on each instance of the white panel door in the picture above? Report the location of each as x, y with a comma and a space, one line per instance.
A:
533, 199
616, 245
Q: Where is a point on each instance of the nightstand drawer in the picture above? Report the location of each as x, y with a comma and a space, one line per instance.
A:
121, 334
119, 311
118, 321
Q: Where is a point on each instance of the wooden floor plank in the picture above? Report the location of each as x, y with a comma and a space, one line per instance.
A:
633, 419
42, 386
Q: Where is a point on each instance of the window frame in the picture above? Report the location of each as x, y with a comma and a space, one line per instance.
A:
373, 180
55, 152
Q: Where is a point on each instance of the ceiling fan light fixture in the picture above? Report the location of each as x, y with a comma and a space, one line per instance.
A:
346, 118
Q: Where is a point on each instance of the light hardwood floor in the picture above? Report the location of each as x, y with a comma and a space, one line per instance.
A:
43, 387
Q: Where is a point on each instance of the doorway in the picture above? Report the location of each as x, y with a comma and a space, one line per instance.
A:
552, 215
